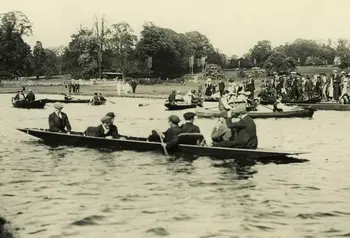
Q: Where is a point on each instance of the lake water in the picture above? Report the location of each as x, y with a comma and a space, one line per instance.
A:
76, 192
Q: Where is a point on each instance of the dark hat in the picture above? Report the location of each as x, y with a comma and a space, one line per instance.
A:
96, 94
111, 114
189, 116
106, 119
174, 119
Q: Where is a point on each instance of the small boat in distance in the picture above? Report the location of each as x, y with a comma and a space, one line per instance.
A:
78, 139
68, 101
37, 104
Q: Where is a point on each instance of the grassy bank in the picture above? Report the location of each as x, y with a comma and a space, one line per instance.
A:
56, 85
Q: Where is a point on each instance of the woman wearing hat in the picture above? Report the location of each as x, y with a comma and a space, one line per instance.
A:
58, 120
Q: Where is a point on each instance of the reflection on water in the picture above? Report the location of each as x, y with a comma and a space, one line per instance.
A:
78, 192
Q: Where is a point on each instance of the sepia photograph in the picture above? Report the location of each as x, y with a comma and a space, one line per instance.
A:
179, 119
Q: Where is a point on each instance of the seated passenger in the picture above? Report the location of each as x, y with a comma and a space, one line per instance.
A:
188, 126
19, 96
58, 120
105, 130
220, 131
246, 136
276, 105
172, 96
170, 137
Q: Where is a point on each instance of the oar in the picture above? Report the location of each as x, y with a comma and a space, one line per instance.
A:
161, 141
110, 101
260, 104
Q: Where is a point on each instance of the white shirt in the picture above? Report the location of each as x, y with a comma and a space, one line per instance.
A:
225, 103
59, 114
105, 129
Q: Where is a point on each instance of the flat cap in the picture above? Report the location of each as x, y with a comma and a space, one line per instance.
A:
106, 119
58, 105
240, 109
174, 119
189, 115
111, 114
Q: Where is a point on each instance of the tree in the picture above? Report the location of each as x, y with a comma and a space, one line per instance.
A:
279, 62
15, 54
261, 51
52, 63
39, 58
101, 33
343, 52
200, 44
122, 43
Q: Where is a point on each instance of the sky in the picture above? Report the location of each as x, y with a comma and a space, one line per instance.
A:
233, 26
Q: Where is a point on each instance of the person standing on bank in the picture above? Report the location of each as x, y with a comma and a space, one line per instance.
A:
58, 120
251, 87
188, 126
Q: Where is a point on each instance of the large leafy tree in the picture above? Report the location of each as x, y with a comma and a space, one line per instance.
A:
279, 62
15, 54
261, 51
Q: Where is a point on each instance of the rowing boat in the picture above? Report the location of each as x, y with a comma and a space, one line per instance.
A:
323, 106
179, 105
37, 104
272, 101
140, 144
306, 113
210, 99
68, 101
97, 103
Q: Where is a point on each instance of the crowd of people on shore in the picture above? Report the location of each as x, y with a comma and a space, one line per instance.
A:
295, 87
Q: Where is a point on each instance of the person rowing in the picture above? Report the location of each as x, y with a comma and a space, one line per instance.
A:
30, 96
58, 120
277, 104
67, 97
246, 135
170, 136
224, 102
96, 98
188, 126
19, 96
106, 129
221, 132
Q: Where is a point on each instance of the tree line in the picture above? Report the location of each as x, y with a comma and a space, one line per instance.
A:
159, 52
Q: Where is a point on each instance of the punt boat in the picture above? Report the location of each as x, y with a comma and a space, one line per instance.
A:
37, 104
192, 147
323, 106
68, 101
305, 113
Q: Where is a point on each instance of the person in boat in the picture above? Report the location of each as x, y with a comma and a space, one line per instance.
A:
188, 126
58, 120
172, 96
30, 96
221, 132
189, 97
246, 136
68, 97
95, 98
178, 96
19, 96
277, 104
224, 102
170, 136
106, 129
102, 98
24, 91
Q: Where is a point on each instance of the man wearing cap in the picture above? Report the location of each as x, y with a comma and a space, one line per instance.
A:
188, 126
58, 120
170, 137
30, 96
246, 136
107, 129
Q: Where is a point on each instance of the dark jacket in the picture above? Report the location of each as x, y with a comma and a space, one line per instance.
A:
189, 127
57, 124
30, 97
221, 86
171, 136
99, 131
245, 134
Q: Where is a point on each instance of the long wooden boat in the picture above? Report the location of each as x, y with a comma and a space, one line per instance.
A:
77, 139
210, 99
37, 104
97, 103
180, 105
323, 106
305, 113
68, 101
309, 101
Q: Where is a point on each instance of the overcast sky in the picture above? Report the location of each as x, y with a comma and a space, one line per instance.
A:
233, 26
